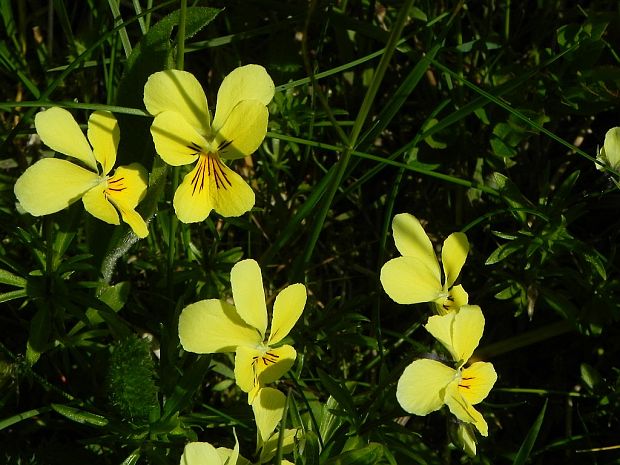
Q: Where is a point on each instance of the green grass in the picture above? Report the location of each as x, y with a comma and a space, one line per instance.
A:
481, 117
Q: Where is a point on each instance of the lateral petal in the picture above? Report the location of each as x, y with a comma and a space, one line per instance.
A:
611, 148
477, 380
268, 407
243, 131
453, 255
104, 135
274, 363
213, 325
462, 409
97, 204
287, 309
249, 82
412, 241
180, 92
407, 280
246, 375
60, 132
52, 184
249, 295
193, 199
176, 141
421, 387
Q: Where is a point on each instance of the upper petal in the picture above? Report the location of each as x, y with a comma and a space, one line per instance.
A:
268, 407
407, 280
287, 309
477, 380
59, 131
248, 294
459, 331
104, 135
176, 141
243, 131
200, 453
52, 184
453, 255
249, 82
178, 91
411, 241
462, 409
213, 325
420, 389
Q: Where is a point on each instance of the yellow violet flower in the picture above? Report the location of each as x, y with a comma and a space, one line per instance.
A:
184, 133
203, 453
609, 155
426, 385
416, 276
213, 325
52, 184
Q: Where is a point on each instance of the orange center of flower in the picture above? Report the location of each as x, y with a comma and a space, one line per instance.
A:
209, 167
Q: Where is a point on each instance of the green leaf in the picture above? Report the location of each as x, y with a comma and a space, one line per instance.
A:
369, 455
342, 395
80, 416
530, 439
6, 277
39, 334
503, 251
310, 453
510, 194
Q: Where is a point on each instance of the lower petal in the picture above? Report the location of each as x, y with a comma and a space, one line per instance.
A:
192, 200
421, 387
135, 222
268, 407
52, 184
97, 204
231, 196
463, 410
200, 453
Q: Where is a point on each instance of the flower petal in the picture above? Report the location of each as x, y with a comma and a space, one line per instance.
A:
453, 255
97, 204
458, 331
245, 368
52, 184
232, 196
249, 82
462, 409
420, 389
477, 380
213, 325
287, 309
134, 220
407, 280
467, 439
411, 241
104, 135
274, 363
270, 447
200, 453
459, 296
610, 153
180, 92
193, 199
176, 141
268, 407
128, 184
243, 131
248, 294
60, 132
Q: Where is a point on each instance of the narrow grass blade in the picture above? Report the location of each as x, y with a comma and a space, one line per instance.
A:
530, 439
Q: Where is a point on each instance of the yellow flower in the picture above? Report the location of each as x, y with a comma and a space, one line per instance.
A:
184, 133
426, 385
213, 325
609, 155
416, 276
52, 184
203, 453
